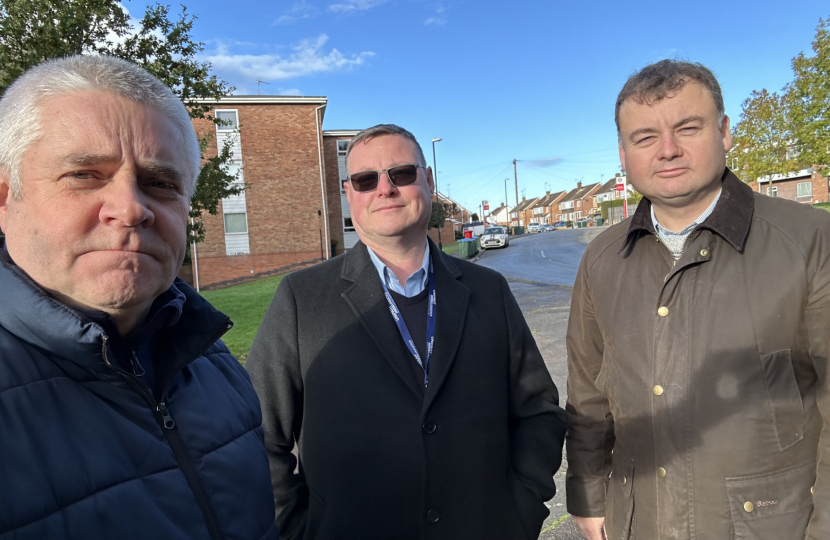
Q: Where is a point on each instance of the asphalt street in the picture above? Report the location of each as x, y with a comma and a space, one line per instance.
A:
541, 269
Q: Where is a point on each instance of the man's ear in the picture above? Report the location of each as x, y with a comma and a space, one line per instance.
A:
5, 198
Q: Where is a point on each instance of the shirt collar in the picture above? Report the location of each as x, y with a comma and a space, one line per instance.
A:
730, 218
706, 213
413, 285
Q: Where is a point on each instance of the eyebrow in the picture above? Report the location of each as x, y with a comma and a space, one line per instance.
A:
645, 131
154, 168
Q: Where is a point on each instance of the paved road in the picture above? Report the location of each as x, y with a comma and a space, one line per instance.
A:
541, 269
550, 258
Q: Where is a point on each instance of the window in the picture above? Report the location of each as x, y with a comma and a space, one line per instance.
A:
348, 226
230, 120
772, 191
341, 164
579, 204
805, 189
236, 223
341, 148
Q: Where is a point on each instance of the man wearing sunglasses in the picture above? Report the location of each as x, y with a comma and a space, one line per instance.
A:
409, 380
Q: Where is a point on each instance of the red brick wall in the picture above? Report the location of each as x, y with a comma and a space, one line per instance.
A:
788, 189
281, 166
333, 189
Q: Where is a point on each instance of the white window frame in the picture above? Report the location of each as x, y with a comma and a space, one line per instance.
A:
347, 228
772, 191
342, 153
225, 223
227, 128
798, 190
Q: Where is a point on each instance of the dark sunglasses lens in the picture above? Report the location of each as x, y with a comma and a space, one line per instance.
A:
403, 175
365, 181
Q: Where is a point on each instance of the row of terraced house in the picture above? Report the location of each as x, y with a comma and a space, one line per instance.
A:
582, 202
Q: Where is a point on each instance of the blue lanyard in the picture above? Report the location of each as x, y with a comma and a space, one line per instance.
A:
407, 338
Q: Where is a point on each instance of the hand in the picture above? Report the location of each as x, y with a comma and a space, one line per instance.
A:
592, 528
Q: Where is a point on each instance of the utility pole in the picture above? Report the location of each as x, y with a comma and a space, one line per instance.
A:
516, 177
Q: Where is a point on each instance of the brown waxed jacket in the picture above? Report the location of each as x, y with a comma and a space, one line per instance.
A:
697, 392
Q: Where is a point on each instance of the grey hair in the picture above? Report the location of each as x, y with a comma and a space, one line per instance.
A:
20, 121
656, 81
385, 129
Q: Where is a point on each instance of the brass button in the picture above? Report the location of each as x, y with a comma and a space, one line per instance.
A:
658, 390
748, 506
625, 480
663, 311
703, 253
812, 489
661, 472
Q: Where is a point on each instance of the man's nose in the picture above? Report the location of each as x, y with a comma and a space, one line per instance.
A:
669, 149
385, 185
124, 203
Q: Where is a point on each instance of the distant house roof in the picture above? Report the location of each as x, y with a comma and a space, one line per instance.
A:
610, 185
525, 204
791, 176
580, 192
548, 199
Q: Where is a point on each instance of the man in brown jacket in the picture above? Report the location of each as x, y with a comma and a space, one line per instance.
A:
698, 340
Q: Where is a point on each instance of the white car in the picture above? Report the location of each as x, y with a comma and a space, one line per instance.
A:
494, 237
533, 227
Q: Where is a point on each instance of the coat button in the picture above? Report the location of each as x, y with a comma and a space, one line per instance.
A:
704, 252
430, 427
663, 311
625, 480
661, 472
658, 390
433, 515
748, 506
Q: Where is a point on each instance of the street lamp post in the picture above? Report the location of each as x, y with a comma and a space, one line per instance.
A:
435, 176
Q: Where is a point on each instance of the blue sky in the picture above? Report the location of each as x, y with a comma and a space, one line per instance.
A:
528, 80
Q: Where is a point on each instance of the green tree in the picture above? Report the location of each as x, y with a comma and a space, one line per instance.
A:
474, 217
809, 99
440, 212
32, 31
762, 142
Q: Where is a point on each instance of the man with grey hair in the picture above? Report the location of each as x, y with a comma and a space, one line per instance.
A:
697, 341
408, 379
122, 414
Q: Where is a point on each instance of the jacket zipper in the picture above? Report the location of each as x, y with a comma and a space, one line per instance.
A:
172, 435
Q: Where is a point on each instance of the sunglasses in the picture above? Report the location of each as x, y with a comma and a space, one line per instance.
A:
399, 175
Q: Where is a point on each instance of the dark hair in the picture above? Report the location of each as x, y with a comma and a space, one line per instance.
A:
385, 129
656, 81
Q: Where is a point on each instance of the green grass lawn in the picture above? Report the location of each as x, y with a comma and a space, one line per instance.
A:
245, 304
824, 205
450, 249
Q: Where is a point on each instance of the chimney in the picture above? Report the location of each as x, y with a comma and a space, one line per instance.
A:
548, 193
579, 185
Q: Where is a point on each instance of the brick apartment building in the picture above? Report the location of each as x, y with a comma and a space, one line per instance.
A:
285, 218
806, 186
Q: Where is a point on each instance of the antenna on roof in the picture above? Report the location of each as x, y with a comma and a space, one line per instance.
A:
258, 82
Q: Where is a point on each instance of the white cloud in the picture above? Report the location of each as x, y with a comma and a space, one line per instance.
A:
300, 10
440, 17
350, 6
307, 57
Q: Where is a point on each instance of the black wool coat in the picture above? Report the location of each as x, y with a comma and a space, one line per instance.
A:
471, 457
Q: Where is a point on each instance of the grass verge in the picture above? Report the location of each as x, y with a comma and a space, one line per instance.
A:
451, 249
245, 304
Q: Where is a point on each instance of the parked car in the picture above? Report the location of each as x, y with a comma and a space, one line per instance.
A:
532, 227
494, 237
559, 224
547, 227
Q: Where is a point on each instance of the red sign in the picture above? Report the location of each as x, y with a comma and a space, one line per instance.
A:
486, 206
620, 187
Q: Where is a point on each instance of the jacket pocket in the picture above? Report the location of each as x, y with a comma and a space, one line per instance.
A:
772, 506
530, 510
619, 499
785, 401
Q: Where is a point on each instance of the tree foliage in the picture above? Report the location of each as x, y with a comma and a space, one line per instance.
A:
809, 99
440, 212
780, 134
32, 31
762, 142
